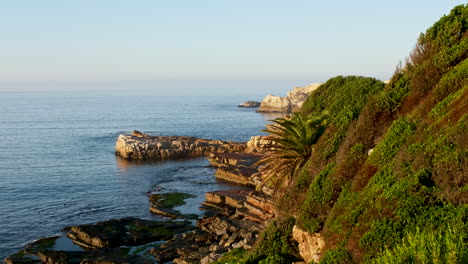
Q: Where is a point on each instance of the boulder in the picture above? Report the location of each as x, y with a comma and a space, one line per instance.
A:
310, 245
289, 104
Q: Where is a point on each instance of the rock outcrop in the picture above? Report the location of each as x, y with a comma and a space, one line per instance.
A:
310, 245
219, 231
250, 104
235, 167
259, 144
124, 232
291, 103
145, 147
232, 218
112, 241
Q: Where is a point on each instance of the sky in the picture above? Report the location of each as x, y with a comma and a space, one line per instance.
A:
181, 40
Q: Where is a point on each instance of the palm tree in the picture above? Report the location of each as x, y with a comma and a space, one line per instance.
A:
294, 138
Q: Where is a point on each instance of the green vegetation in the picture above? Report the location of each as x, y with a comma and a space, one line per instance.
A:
276, 244
41, 245
317, 201
164, 203
343, 99
446, 245
386, 182
169, 200
294, 139
236, 256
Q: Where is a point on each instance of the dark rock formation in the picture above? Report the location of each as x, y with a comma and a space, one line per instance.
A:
250, 104
124, 232
144, 147
163, 204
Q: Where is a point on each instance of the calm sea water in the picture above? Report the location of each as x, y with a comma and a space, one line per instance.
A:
57, 163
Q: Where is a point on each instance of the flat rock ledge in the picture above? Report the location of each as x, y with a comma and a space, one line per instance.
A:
235, 167
138, 146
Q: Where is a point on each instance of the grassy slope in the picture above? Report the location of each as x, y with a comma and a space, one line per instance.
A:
412, 190
388, 181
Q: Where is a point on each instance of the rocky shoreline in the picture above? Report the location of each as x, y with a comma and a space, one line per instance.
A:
138, 146
232, 219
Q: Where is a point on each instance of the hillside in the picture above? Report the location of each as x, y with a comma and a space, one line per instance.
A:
387, 180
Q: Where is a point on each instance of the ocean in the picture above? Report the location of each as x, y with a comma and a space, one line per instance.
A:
57, 162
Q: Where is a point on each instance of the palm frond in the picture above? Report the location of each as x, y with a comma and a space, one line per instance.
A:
294, 138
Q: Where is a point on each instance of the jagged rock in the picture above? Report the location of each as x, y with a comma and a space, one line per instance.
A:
212, 257
140, 146
259, 144
250, 104
291, 103
310, 245
55, 257
189, 247
237, 168
246, 160
231, 198
262, 202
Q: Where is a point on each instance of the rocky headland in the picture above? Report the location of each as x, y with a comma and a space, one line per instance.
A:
289, 104
232, 218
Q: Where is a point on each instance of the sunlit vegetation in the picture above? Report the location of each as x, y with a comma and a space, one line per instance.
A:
387, 181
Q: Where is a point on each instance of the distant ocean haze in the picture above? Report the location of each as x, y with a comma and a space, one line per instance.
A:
57, 162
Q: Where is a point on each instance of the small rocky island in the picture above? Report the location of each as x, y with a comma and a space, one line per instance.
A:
250, 104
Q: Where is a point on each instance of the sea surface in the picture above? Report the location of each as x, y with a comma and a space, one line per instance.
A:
57, 162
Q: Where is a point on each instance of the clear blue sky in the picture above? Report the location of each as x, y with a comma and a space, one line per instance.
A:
305, 41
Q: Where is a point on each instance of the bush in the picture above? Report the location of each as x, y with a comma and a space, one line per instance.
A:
342, 98
276, 243
445, 245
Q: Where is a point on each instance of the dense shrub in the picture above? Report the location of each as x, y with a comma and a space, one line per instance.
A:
445, 245
276, 244
407, 200
317, 202
343, 99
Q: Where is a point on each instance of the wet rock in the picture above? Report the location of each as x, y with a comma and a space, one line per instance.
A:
126, 231
22, 258
164, 203
140, 146
189, 247
56, 257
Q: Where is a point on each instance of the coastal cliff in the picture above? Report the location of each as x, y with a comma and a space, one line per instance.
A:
383, 179
291, 103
